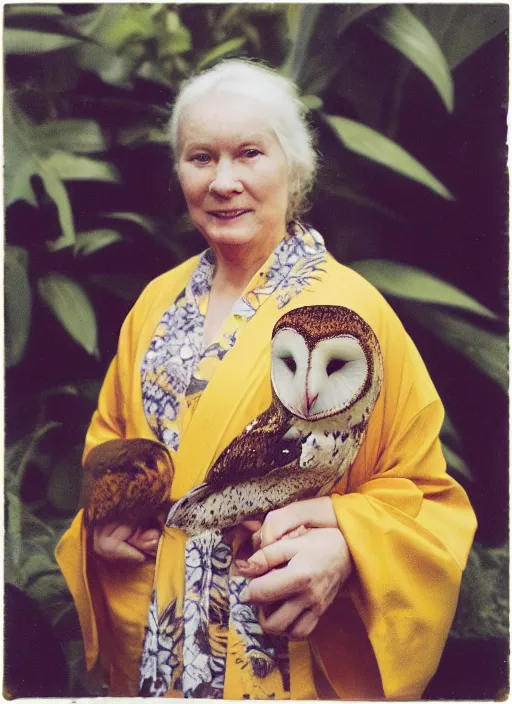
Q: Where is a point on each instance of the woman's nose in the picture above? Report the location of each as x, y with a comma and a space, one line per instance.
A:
225, 181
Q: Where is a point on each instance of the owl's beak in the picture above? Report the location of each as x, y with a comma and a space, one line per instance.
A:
310, 400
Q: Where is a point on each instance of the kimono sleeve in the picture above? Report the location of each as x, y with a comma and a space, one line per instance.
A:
108, 423
409, 527
109, 420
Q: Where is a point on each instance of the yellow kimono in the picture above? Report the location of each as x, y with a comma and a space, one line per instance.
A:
409, 526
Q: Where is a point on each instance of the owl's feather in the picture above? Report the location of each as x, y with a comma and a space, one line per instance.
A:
126, 481
260, 449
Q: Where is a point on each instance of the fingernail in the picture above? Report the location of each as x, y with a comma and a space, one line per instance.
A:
244, 595
242, 564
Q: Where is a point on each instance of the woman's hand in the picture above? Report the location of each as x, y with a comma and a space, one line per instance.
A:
314, 565
121, 542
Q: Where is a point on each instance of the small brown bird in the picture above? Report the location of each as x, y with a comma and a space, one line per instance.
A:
127, 481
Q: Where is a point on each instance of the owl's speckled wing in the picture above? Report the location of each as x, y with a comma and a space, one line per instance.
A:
260, 449
126, 481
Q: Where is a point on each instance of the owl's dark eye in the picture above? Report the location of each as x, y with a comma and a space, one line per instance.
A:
290, 363
334, 366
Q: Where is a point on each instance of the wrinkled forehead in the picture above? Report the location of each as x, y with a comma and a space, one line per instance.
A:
226, 115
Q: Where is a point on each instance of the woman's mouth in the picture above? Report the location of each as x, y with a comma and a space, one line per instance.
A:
227, 214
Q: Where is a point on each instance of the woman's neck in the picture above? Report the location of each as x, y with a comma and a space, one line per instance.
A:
236, 265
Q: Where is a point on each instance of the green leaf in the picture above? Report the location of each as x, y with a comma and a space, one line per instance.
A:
76, 168
117, 25
20, 163
65, 483
18, 455
229, 47
179, 38
27, 41
111, 68
462, 29
403, 281
313, 102
93, 240
486, 350
57, 192
32, 10
126, 287
314, 31
142, 134
83, 136
18, 304
71, 306
400, 28
375, 146
143, 221
455, 462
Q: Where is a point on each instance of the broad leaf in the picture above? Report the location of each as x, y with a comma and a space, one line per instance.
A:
313, 102
178, 39
117, 25
27, 41
462, 29
455, 462
20, 162
143, 221
399, 27
486, 350
65, 483
19, 454
18, 304
226, 49
32, 10
124, 286
142, 134
76, 168
57, 192
111, 68
82, 136
71, 306
94, 240
375, 146
395, 279
314, 30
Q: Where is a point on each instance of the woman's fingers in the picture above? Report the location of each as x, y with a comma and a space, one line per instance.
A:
268, 557
120, 541
312, 513
113, 548
304, 625
278, 621
145, 541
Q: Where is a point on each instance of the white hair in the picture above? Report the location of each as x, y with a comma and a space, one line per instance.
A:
284, 111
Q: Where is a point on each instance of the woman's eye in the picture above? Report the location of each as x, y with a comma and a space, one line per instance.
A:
251, 153
334, 366
201, 158
290, 363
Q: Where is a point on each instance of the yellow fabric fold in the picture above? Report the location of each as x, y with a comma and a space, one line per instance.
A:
409, 526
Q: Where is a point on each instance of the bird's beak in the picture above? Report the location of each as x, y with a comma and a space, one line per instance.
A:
310, 400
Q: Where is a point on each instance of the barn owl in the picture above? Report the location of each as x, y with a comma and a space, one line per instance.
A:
326, 377
126, 481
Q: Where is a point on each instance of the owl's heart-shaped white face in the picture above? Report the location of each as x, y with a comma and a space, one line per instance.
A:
318, 383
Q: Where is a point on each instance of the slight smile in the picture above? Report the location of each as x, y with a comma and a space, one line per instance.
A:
227, 214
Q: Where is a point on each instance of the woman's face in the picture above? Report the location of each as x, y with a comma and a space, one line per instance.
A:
233, 172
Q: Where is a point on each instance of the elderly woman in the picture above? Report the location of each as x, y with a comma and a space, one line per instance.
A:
366, 596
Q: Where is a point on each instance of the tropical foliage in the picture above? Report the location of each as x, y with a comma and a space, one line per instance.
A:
409, 107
